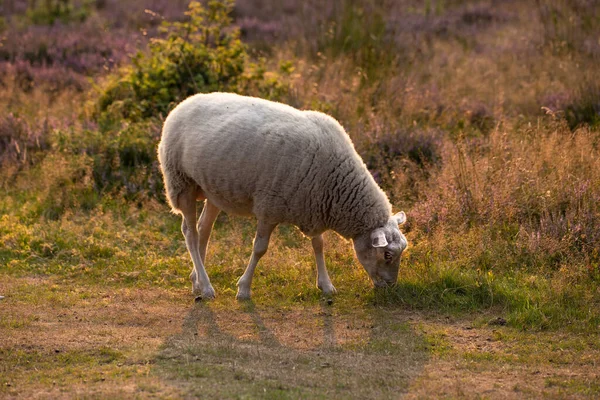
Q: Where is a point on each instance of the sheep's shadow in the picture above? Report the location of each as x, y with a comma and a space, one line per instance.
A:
266, 336
200, 313
312, 350
329, 339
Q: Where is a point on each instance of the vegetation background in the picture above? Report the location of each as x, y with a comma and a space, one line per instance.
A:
479, 118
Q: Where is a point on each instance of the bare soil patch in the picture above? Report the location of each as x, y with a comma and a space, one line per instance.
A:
297, 353
61, 342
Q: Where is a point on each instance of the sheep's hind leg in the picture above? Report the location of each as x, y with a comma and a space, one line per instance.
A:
323, 280
200, 281
205, 225
261, 244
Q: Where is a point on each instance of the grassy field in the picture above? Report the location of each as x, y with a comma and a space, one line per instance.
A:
479, 119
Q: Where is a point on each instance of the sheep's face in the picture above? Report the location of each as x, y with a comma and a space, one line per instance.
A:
379, 251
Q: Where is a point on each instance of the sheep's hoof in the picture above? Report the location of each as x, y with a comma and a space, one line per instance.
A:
209, 293
203, 294
328, 290
243, 295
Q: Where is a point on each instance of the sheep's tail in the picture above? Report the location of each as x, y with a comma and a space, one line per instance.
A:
175, 181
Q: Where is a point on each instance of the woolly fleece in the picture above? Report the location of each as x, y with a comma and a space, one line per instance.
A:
251, 156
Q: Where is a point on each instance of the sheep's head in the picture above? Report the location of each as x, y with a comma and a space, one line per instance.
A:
379, 251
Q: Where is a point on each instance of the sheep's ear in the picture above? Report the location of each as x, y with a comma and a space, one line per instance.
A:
378, 238
400, 218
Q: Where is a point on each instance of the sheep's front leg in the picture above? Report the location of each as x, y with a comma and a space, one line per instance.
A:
200, 281
261, 244
323, 281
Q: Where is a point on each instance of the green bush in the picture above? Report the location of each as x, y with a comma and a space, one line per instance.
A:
201, 54
123, 162
50, 11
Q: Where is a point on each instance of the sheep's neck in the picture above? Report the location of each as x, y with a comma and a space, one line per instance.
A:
359, 209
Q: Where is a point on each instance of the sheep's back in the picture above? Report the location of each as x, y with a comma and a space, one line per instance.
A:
249, 156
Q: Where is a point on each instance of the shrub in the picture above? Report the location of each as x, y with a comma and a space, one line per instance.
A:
401, 160
585, 110
20, 139
55, 185
124, 162
202, 54
49, 12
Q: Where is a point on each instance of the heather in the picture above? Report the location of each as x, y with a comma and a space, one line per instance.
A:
480, 119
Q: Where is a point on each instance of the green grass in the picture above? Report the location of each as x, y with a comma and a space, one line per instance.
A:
491, 158
142, 248
71, 270
57, 367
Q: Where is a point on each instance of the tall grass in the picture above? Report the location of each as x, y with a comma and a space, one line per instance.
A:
535, 187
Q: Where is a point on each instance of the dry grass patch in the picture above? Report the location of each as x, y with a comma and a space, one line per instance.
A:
90, 342
231, 350
65, 341
502, 363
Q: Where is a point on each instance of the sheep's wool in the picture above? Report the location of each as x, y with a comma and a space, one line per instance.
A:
251, 156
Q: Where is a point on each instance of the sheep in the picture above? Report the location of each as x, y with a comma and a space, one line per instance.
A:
249, 156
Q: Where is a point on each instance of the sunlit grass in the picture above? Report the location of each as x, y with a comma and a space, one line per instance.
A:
144, 248
479, 120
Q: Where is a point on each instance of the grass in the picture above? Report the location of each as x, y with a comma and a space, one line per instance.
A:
296, 365
82, 319
154, 255
480, 120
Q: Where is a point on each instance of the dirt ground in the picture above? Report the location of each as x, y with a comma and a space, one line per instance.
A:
59, 343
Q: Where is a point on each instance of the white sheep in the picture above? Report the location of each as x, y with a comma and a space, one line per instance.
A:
250, 156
